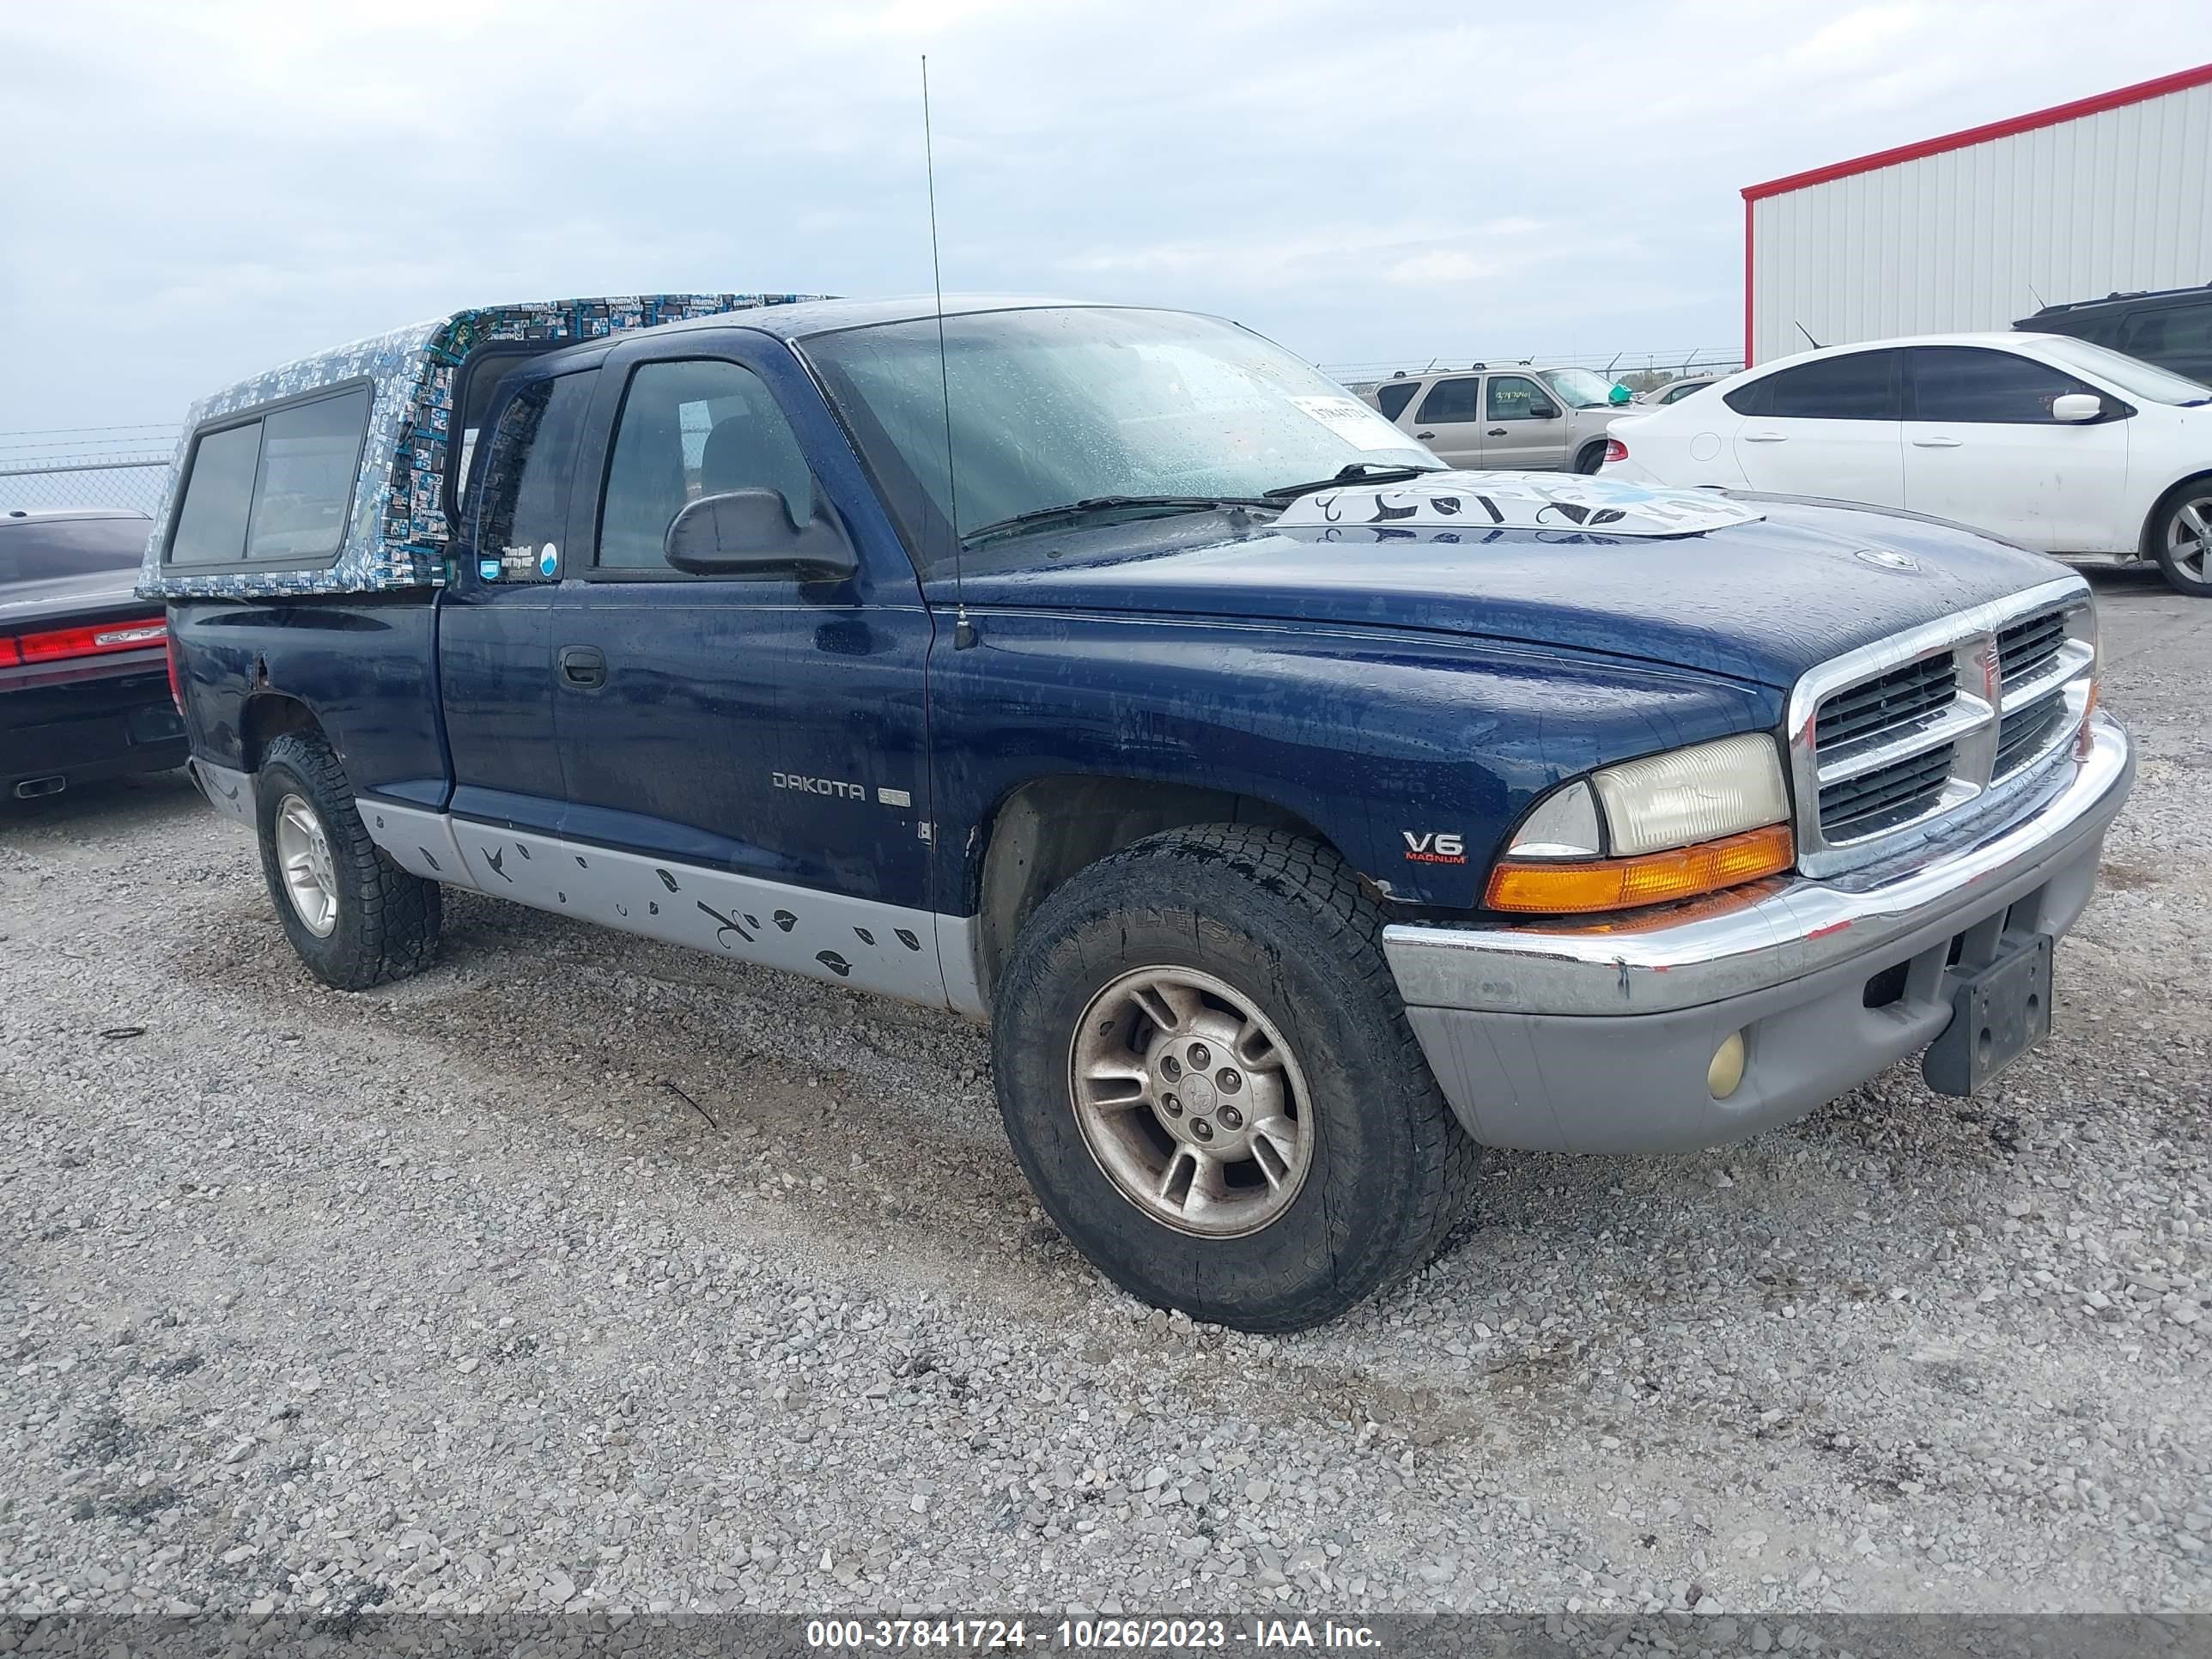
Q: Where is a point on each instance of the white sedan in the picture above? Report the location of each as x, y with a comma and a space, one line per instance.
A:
2051, 442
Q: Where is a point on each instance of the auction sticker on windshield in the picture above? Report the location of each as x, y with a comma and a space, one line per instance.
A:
1351, 419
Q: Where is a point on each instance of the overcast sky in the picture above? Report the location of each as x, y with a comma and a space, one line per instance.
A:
196, 192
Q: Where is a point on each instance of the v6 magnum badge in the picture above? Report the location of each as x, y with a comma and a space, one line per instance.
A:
1434, 847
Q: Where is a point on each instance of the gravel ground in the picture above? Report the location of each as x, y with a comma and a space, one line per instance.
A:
584, 1273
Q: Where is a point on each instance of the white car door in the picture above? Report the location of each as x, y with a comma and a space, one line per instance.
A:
1983, 447
1448, 418
1832, 426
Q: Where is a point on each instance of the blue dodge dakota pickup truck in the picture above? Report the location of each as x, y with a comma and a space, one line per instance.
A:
1301, 815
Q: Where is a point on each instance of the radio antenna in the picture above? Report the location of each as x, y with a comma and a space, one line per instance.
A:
963, 631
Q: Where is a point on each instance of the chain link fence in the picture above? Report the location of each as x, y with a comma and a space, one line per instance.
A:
1643, 371
124, 466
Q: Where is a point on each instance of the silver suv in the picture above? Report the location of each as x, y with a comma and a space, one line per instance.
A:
1520, 416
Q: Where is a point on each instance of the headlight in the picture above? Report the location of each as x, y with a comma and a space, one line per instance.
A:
1672, 826
1694, 794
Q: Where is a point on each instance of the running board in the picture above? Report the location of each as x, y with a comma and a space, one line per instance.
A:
884, 949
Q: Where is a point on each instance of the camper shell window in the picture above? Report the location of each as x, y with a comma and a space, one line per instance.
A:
273, 489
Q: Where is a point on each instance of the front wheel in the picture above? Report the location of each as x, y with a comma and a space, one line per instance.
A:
1208, 1079
356, 918
1591, 457
2181, 539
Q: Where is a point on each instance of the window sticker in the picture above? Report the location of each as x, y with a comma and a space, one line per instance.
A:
1351, 419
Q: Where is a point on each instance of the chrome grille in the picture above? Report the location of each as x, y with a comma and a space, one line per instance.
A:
1938, 721
1874, 801
2026, 646
2022, 733
1889, 702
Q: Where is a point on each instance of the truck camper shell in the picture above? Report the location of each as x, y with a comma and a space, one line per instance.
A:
277, 515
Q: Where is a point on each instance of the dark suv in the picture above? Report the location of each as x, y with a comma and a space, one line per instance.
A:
2172, 328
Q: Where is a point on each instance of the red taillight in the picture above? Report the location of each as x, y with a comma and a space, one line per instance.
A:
1615, 450
176, 682
97, 641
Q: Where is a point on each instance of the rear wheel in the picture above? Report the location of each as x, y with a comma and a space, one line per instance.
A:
2181, 538
356, 918
1208, 1079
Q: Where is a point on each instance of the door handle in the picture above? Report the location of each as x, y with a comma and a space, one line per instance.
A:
1495, 431
1934, 443
583, 665
1425, 434
1765, 437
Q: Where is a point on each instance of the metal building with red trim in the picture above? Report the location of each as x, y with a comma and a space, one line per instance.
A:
1977, 229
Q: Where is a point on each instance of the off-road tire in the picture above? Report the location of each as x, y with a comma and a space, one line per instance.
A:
386, 926
1285, 922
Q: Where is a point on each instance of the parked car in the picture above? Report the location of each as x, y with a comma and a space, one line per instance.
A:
1514, 417
2172, 327
1300, 814
2054, 443
84, 666
1675, 390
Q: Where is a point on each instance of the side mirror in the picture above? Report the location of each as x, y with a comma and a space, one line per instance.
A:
750, 533
1542, 412
2074, 407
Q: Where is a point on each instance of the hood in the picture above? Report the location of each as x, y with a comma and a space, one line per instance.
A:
1762, 599
57, 598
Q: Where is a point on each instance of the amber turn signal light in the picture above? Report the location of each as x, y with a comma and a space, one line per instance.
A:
2082, 740
1550, 888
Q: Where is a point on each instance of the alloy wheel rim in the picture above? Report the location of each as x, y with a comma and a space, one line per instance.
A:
303, 855
2189, 539
1191, 1102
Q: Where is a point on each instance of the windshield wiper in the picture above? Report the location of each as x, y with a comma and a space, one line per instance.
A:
1357, 472
1069, 512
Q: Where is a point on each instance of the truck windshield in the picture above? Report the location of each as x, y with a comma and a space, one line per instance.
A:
1052, 407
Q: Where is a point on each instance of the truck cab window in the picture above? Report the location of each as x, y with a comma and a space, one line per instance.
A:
526, 473
691, 430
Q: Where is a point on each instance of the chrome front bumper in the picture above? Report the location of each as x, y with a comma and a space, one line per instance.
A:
1596, 1037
